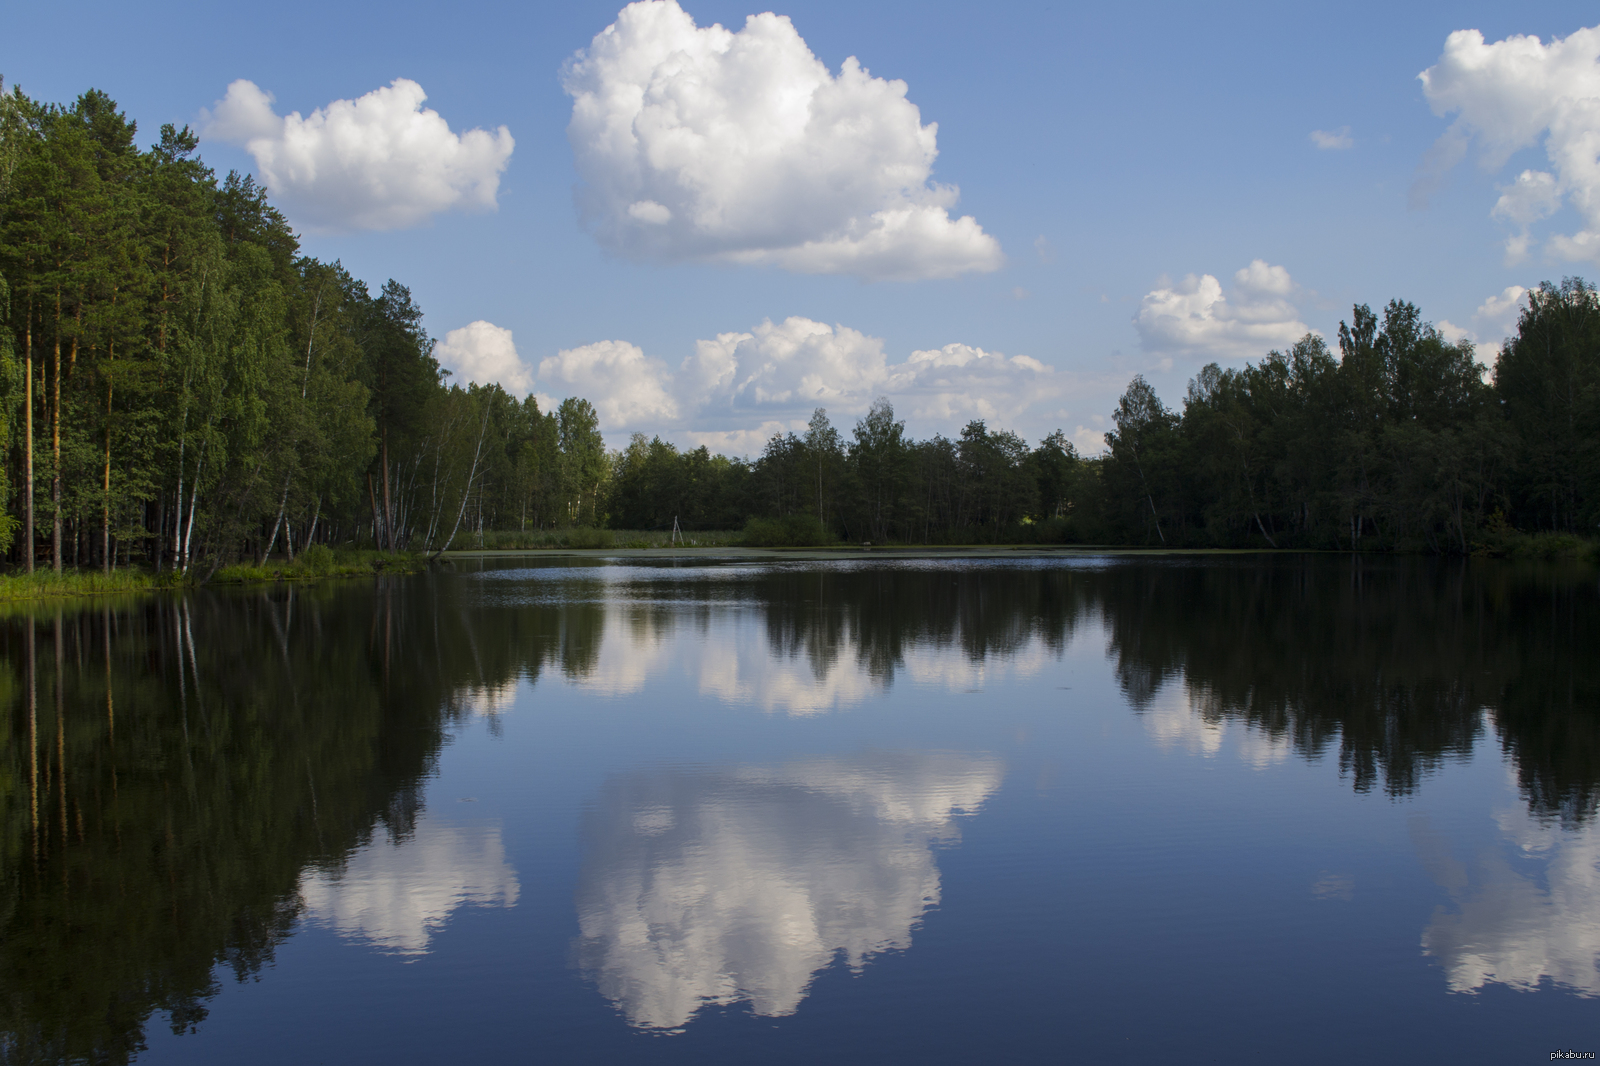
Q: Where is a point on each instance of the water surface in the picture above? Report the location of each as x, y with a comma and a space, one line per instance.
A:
1239, 808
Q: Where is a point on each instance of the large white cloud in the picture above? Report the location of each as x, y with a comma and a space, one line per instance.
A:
797, 363
626, 388
1197, 318
738, 886
484, 353
737, 389
1506, 97
704, 143
380, 162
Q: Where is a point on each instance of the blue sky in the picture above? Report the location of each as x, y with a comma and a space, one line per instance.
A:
1107, 153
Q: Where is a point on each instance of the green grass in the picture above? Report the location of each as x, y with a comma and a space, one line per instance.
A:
47, 584
584, 537
1500, 539
318, 562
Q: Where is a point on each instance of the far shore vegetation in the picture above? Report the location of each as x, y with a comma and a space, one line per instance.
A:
186, 398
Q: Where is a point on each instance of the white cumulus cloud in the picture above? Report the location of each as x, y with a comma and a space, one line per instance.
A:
380, 162
792, 367
736, 390
1508, 96
1499, 314
484, 353
627, 389
1195, 317
704, 143
1496, 318
794, 364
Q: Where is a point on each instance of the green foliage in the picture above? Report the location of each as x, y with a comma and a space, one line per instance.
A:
790, 531
588, 537
316, 559
202, 398
47, 584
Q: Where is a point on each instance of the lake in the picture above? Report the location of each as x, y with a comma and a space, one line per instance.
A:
1230, 808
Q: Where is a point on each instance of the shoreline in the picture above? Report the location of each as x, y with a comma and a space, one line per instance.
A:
46, 586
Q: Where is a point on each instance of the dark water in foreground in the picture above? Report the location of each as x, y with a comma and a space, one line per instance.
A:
1236, 810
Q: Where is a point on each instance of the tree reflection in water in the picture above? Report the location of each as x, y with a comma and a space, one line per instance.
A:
177, 771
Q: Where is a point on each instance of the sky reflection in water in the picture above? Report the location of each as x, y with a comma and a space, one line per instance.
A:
1008, 806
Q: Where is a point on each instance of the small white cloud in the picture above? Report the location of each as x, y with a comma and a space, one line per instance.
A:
748, 442
1333, 140
1454, 333
1533, 196
628, 390
1089, 441
1508, 96
700, 143
959, 382
380, 162
1196, 318
484, 353
1498, 314
1044, 249
649, 211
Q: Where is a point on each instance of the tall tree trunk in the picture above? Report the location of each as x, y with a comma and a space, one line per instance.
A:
316, 513
388, 509
27, 447
377, 523
194, 505
105, 500
472, 475
283, 502
55, 448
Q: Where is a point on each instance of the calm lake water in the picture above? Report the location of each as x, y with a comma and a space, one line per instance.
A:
1239, 809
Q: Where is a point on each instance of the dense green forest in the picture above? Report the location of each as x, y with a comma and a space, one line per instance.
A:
181, 389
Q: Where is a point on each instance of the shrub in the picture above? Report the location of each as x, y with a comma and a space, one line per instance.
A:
316, 559
585, 537
791, 531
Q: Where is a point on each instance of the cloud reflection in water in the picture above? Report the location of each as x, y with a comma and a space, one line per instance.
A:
396, 896
720, 887
1523, 914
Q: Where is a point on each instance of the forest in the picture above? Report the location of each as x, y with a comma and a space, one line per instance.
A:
181, 390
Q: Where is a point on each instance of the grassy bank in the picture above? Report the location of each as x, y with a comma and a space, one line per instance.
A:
318, 562
46, 584
1502, 541
314, 564
585, 537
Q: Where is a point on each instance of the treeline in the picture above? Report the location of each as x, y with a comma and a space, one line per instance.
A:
1402, 440
180, 388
